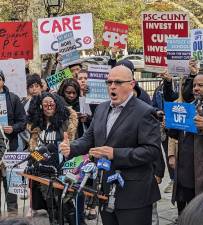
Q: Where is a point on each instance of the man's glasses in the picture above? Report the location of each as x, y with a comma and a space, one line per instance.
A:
116, 82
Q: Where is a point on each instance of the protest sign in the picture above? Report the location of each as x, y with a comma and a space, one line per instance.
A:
115, 34
97, 88
84, 107
197, 44
14, 180
74, 163
56, 79
156, 28
68, 54
16, 40
50, 28
3, 110
178, 56
15, 77
180, 116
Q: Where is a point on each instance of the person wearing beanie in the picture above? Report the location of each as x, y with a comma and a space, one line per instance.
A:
16, 123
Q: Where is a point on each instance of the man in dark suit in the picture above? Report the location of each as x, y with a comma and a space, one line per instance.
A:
126, 132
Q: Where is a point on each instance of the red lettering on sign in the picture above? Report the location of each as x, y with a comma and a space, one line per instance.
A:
56, 25
76, 23
42, 27
66, 23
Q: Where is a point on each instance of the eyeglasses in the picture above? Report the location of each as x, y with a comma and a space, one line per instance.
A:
116, 82
48, 105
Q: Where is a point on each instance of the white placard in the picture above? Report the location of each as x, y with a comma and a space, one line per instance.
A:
15, 77
50, 28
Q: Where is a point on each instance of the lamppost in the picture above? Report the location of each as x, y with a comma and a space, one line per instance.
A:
54, 7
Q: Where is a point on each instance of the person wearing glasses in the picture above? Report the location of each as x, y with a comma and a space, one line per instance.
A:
125, 131
48, 118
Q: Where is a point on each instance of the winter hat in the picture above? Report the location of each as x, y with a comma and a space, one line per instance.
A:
32, 79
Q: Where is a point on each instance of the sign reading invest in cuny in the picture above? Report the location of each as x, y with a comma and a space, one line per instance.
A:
156, 28
50, 28
115, 34
97, 89
16, 40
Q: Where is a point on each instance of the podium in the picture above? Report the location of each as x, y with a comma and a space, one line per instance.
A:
57, 185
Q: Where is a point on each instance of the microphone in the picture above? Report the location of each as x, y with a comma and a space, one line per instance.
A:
115, 179
68, 181
39, 154
89, 170
103, 164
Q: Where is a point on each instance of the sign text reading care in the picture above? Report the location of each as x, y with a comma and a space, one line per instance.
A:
50, 28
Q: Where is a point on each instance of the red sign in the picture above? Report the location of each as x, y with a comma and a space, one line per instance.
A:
115, 34
157, 27
16, 40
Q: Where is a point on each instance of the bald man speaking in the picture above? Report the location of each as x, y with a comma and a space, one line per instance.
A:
125, 131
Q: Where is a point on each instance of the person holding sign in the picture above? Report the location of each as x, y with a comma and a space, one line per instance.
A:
189, 166
16, 118
125, 131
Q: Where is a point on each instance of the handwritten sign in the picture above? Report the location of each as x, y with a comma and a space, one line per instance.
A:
16, 40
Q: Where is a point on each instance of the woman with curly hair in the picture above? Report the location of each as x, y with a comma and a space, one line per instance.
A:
48, 119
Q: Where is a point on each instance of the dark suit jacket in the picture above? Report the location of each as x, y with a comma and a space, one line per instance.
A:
135, 137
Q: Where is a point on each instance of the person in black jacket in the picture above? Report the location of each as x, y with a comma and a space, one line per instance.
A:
186, 90
16, 124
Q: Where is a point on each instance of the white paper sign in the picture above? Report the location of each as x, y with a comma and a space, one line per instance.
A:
3, 110
50, 28
15, 77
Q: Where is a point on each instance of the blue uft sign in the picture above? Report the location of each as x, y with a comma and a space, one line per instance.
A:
180, 116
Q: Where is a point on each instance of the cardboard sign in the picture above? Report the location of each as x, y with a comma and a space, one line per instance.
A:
67, 49
115, 34
50, 28
15, 77
197, 44
156, 28
14, 180
180, 116
178, 56
16, 40
56, 79
98, 92
3, 110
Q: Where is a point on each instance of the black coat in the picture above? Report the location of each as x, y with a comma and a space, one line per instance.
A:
16, 118
135, 137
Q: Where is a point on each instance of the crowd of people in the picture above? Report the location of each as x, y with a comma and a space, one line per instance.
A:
129, 130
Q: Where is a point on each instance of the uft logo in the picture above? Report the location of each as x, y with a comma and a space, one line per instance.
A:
179, 113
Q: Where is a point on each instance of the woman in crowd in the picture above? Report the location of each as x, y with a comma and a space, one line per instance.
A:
70, 91
48, 119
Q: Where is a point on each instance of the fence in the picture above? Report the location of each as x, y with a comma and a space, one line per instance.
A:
150, 84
